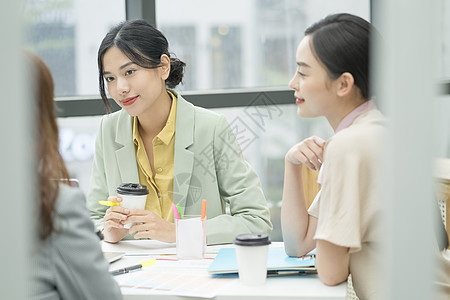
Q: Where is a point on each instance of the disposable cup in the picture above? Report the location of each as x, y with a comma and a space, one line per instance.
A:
134, 195
251, 252
191, 237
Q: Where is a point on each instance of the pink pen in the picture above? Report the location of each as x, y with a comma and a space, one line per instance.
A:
175, 212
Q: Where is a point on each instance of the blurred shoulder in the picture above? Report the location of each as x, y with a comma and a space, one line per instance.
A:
70, 199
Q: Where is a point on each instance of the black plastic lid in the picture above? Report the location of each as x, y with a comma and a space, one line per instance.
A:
132, 189
252, 239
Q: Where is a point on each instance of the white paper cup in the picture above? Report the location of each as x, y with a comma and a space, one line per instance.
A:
133, 195
191, 237
251, 253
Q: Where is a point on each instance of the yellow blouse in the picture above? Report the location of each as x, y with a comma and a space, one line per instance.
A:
160, 186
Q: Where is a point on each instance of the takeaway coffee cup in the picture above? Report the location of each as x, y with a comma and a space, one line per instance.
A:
251, 252
134, 195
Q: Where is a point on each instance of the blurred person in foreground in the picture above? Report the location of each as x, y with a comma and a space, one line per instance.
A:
67, 260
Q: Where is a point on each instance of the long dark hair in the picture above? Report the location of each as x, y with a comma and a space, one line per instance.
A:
51, 167
342, 43
143, 44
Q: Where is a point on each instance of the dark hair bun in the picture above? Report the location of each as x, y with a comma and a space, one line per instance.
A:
176, 72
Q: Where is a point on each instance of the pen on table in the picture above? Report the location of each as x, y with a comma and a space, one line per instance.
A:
203, 209
179, 210
137, 267
126, 270
175, 212
108, 203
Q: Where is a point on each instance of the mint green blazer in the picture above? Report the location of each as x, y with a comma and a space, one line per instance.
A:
208, 164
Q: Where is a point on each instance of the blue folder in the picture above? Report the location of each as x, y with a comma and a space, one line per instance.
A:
277, 261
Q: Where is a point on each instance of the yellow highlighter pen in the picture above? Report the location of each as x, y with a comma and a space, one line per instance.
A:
108, 203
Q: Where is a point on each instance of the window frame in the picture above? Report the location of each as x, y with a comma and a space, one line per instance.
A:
78, 106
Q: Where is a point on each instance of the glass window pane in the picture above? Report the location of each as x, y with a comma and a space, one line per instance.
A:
77, 145
66, 34
235, 43
273, 132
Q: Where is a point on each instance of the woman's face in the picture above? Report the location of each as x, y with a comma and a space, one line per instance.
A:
134, 88
312, 86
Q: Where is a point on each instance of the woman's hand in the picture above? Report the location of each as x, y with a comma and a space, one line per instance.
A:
308, 152
113, 230
298, 227
151, 226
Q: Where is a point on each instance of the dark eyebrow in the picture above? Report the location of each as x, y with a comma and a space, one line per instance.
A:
121, 67
302, 64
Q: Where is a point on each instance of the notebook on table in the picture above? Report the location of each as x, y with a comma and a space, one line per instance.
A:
278, 262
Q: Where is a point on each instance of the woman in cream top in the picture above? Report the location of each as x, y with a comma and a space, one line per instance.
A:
332, 81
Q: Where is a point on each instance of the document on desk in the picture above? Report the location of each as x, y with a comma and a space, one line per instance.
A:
140, 247
174, 277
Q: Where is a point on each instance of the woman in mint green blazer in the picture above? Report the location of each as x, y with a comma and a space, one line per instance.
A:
135, 63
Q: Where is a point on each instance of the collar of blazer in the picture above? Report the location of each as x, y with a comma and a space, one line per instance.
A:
184, 158
184, 123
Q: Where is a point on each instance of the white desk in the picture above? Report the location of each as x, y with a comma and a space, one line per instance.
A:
284, 287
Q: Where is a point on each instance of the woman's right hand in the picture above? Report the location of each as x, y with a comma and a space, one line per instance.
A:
308, 152
113, 221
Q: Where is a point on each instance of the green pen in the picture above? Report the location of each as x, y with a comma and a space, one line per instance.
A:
179, 210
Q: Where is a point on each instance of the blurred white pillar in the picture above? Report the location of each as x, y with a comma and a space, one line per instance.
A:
16, 154
406, 81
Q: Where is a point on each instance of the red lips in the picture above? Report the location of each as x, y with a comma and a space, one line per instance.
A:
129, 101
299, 101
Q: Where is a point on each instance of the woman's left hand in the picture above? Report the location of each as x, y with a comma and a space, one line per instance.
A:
151, 226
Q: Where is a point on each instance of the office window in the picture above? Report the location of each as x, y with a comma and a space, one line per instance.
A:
66, 34
77, 145
265, 134
185, 44
226, 57
239, 44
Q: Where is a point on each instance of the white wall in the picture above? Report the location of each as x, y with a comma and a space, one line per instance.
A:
407, 76
15, 155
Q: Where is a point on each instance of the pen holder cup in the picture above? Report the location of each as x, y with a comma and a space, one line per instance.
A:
191, 237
